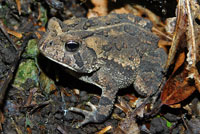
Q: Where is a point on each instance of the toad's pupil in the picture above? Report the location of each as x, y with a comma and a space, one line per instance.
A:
72, 46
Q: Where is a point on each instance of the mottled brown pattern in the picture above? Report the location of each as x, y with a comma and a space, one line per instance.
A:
112, 52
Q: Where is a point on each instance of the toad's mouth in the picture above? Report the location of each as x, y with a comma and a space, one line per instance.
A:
64, 65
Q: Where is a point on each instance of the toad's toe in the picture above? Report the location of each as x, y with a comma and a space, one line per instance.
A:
90, 116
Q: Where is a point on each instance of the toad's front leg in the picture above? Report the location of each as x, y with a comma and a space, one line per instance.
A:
102, 111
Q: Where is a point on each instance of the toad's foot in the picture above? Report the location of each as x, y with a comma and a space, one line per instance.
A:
90, 116
102, 111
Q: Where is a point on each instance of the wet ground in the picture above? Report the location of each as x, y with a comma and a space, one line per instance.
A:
38, 91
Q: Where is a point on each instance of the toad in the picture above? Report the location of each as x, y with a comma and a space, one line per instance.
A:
111, 52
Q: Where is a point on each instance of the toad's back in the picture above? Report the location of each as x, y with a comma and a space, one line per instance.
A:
122, 38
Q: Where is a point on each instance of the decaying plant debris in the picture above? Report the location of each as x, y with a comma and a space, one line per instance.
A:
185, 47
35, 99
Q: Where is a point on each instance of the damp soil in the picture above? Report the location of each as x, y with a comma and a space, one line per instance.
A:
29, 108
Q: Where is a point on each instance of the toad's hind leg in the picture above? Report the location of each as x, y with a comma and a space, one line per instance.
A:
102, 111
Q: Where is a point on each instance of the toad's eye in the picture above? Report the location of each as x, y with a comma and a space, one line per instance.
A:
72, 46
51, 43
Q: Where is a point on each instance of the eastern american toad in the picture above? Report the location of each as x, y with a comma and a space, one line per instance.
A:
111, 52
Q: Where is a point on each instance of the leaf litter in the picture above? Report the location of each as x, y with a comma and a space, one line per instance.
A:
182, 82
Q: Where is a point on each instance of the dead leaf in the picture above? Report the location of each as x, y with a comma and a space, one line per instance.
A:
123, 105
176, 89
188, 31
14, 33
61, 130
139, 10
164, 44
128, 126
2, 119
179, 34
19, 6
100, 8
104, 130
170, 24
121, 10
175, 106
180, 60
38, 35
42, 29
161, 34
29, 130
193, 41
117, 117
30, 97
186, 35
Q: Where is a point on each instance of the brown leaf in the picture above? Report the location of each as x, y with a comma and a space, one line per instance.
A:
30, 97
42, 29
177, 89
104, 130
180, 30
198, 84
123, 105
18, 6
193, 40
186, 34
38, 35
2, 119
121, 10
29, 130
100, 8
175, 106
161, 34
15, 33
128, 126
131, 97
180, 60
